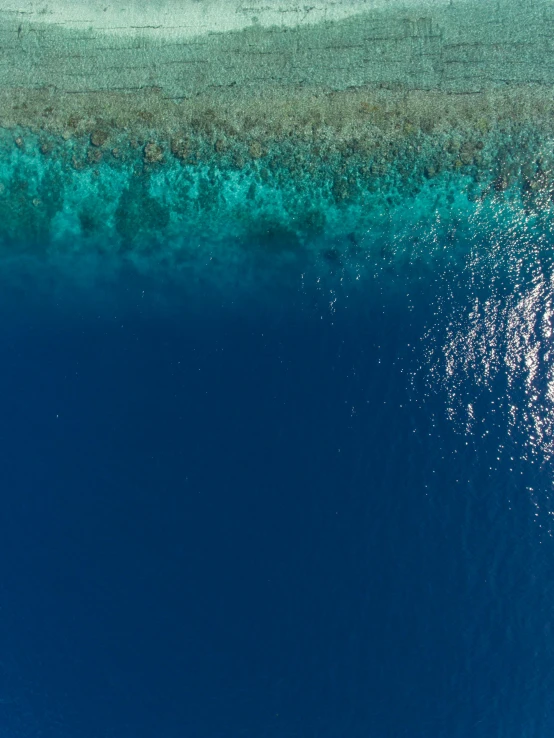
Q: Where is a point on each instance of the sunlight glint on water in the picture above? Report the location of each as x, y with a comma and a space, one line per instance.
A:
491, 350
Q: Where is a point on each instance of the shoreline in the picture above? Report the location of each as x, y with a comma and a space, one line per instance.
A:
190, 18
464, 47
306, 131
428, 64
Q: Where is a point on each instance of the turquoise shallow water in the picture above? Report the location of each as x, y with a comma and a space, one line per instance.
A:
243, 227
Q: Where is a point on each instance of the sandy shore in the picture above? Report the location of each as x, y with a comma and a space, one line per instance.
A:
125, 63
192, 47
160, 120
188, 18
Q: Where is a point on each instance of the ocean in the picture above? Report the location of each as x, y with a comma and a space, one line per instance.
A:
325, 512
277, 390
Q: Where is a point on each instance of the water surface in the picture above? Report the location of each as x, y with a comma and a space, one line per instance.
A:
276, 415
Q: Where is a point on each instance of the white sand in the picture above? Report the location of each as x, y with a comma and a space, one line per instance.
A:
190, 47
186, 18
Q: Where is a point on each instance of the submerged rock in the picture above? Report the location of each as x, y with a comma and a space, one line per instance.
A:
153, 153
76, 163
256, 151
99, 137
180, 148
94, 156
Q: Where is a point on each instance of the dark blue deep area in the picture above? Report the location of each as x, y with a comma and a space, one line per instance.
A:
225, 518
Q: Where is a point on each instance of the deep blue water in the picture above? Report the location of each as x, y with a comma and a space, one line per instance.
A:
314, 513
